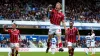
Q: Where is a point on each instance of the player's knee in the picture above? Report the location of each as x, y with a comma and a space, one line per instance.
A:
69, 47
17, 48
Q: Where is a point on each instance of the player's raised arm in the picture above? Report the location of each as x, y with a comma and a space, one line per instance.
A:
92, 33
49, 8
4, 28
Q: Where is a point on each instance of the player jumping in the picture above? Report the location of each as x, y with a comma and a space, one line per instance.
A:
14, 39
70, 37
56, 17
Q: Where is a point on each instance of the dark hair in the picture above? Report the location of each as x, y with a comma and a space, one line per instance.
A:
15, 24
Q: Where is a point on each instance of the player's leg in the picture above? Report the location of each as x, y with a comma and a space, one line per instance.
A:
53, 49
12, 49
69, 48
87, 50
92, 47
16, 49
48, 42
50, 35
73, 47
58, 33
9, 53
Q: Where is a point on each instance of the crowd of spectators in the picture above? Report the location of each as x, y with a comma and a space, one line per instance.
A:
6, 44
42, 44
21, 10
34, 10
83, 11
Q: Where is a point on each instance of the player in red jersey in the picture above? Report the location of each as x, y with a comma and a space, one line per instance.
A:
14, 38
70, 34
56, 17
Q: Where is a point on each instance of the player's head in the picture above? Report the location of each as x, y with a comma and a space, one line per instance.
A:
58, 6
71, 23
88, 33
14, 26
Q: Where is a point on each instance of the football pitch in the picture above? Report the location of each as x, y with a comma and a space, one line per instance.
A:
49, 54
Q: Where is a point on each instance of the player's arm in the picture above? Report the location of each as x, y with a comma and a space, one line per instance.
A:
92, 32
5, 29
78, 35
91, 29
19, 36
48, 8
63, 22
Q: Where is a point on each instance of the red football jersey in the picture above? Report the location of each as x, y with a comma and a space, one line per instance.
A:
56, 17
71, 34
14, 35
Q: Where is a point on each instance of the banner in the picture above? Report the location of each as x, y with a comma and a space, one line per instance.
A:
47, 27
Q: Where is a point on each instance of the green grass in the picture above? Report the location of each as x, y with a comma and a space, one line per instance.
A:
48, 54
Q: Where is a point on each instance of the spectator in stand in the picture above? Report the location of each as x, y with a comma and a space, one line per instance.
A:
37, 10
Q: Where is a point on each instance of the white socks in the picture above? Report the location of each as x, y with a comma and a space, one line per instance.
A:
53, 50
86, 50
93, 50
9, 53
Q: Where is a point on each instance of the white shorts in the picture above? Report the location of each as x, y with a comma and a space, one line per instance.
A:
53, 46
13, 45
93, 44
54, 29
72, 44
88, 44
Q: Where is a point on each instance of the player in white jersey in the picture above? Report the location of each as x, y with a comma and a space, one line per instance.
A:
88, 43
53, 45
93, 42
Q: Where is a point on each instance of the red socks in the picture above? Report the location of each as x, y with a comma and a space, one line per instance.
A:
60, 45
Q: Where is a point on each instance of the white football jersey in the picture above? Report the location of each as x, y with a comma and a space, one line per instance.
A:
93, 37
88, 39
53, 41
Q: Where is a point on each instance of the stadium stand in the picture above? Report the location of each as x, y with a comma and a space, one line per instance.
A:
33, 10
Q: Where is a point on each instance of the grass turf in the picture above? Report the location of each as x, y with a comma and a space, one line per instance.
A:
48, 54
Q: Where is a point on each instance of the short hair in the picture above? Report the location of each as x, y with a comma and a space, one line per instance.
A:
15, 24
59, 4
